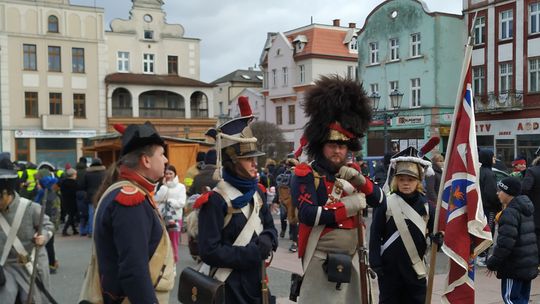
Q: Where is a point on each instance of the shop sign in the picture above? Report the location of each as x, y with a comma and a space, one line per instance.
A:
508, 127
410, 120
54, 134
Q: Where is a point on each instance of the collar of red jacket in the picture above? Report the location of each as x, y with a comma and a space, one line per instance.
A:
132, 175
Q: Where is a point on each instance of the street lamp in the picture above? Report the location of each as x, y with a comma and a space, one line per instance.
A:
396, 97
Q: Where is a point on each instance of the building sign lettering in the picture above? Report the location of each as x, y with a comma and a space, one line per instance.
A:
410, 120
508, 128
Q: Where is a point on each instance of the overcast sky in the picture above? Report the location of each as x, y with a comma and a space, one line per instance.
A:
233, 32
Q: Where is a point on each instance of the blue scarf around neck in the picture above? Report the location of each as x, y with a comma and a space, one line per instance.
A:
247, 186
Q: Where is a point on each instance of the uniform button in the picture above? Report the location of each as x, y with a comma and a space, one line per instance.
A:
340, 225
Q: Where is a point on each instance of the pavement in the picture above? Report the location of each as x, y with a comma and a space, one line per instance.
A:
73, 253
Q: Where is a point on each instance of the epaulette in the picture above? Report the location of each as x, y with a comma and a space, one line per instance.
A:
262, 187
201, 200
302, 170
130, 196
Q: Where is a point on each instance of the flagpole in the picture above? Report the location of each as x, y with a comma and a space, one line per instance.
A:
459, 100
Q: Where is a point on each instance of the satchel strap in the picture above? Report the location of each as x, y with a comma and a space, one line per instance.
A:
12, 231
397, 209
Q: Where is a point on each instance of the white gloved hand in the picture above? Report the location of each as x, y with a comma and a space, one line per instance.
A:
352, 175
354, 203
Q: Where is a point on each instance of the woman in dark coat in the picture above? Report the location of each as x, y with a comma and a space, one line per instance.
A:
68, 190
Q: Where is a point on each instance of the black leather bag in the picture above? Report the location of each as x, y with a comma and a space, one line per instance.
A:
196, 287
2, 276
296, 284
338, 268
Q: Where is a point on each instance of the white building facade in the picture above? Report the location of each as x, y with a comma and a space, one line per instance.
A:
50, 78
293, 60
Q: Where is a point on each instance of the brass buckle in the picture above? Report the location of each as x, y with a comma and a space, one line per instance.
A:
22, 259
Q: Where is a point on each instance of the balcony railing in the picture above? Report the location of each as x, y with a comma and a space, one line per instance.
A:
505, 101
161, 113
122, 112
199, 113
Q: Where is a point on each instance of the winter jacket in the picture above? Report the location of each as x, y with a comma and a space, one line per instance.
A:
92, 180
488, 182
173, 192
530, 186
432, 184
203, 179
515, 255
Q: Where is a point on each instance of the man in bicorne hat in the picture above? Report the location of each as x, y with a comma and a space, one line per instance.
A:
329, 194
133, 249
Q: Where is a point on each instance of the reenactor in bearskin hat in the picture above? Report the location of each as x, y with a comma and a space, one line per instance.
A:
399, 231
236, 229
132, 246
329, 194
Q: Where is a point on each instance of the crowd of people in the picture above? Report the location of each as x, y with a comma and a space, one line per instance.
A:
321, 193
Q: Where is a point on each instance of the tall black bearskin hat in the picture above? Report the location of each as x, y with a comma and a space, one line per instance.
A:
339, 111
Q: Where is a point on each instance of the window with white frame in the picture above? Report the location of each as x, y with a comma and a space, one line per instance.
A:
279, 115
392, 85
374, 87
285, 76
292, 114
505, 77
123, 61
415, 92
506, 24
373, 53
416, 45
534, 18
480, 30
479, 80
394, 49
274, 78
148, 63
302, 71
534, 74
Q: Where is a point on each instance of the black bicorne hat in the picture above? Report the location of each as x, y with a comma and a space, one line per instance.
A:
136, 136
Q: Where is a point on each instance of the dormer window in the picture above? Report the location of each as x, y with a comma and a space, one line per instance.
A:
52, 24
299, 42
353, 45
148, 35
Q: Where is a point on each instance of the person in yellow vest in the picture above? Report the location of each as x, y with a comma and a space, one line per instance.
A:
28, 181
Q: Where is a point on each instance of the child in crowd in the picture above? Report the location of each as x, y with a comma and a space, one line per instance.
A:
515, 256
399, 231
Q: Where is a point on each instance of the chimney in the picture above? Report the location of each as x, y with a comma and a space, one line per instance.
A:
352, 25
336, 22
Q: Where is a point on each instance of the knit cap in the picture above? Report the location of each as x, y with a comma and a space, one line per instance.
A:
510, 186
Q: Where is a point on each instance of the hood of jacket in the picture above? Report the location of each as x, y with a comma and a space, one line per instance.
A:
485, 157
523, 204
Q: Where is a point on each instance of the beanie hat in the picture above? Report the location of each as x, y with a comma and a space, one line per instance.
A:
200, 156
510, 186
211, 157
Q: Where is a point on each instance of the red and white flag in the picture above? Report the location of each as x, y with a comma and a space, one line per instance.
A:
461, 215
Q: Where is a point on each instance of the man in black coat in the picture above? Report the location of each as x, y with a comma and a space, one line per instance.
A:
515, 256
530, 186
92, 180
